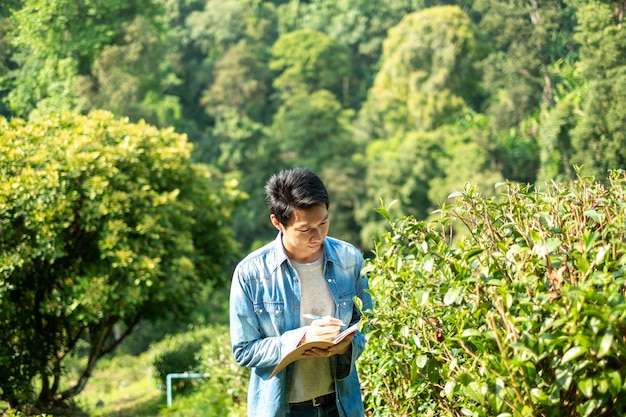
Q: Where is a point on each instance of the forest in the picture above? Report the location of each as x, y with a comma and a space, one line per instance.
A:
394, 103
403, 100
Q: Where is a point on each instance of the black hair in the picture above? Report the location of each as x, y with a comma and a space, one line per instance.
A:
296, 188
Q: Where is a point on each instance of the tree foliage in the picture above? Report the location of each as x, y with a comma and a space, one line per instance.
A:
427, 73
526, 41
584, 126
311, 61
57, 41
524, 316
598, 137
132, 78
102, 223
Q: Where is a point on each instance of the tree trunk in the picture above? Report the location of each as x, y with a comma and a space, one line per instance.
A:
97, 351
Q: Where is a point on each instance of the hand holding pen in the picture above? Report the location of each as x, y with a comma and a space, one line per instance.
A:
325, 328
322, 328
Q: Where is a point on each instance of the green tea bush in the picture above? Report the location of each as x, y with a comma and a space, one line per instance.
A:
522, 316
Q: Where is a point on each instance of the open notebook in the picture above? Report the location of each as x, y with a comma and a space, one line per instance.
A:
298, 353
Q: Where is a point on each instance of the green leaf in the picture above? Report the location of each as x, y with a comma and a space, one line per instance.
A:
448, 389
471, 333
594, 215
589, 239
586, 387
605, 343
421, 361
452, 295
473, 252
563, 378
383, 211
538, 395
601, 254
572, 354
475, 391
553, 244
590, 406
615, 382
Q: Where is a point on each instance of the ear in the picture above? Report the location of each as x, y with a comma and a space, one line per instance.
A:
278, 225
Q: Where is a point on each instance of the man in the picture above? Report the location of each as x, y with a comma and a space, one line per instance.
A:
302, 272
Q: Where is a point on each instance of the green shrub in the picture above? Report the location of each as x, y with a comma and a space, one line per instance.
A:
216, 360
223, 391
204, 350
524, 316
177, 354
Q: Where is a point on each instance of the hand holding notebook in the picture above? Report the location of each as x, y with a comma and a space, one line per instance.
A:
299, 352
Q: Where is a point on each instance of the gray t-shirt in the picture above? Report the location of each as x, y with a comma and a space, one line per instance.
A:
312, 376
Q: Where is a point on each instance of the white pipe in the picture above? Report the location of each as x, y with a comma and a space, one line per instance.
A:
184, 375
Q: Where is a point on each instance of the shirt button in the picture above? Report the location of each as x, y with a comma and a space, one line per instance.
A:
261, 310
297, 307
276, 311
330, 280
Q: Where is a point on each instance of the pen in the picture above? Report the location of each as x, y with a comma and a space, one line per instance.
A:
316, 317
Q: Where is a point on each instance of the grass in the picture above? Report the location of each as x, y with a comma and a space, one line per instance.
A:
122, 386
125, 385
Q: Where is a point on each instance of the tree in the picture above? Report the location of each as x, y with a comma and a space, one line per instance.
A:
220, 25
555, 140
237, 98
309, 60
414, 117
420, 170
6, 7
467, 157
241, 83
599, 139
360, 25
397, 169
132, 78
427, 76
526, 40
585, 127
103, 223
232, 40
56, 42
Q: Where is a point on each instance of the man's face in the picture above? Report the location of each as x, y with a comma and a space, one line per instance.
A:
303, 237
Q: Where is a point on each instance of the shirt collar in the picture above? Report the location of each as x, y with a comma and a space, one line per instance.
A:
280, 256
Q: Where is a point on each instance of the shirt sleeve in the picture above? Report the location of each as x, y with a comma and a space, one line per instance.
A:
250, 347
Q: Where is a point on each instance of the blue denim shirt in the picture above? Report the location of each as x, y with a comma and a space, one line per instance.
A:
265, 323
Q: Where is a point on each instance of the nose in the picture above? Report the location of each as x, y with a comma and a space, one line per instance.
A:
316, 235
